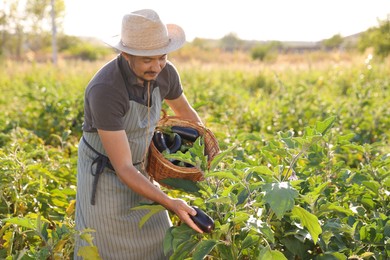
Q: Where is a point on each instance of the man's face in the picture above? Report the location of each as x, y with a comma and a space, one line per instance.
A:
146, 68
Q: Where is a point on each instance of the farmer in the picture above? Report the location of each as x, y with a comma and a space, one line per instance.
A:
122, 107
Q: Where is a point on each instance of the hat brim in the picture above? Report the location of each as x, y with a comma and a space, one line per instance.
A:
176, 36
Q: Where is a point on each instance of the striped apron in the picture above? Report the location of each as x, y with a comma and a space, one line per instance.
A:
118, 235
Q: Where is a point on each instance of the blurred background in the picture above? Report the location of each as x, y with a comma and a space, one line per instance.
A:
51, 30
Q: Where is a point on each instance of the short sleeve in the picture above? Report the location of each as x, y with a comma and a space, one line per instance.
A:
175, 88
106, 107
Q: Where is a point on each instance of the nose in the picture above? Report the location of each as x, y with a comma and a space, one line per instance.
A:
156, 65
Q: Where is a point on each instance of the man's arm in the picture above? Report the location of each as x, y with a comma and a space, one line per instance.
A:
118, 150
183, 109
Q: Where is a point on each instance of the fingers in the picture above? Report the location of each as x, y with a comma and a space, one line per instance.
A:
183, 211
186, 218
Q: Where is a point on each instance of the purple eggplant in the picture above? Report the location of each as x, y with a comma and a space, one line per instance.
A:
160, 142
187, 133
203, 221
173, 142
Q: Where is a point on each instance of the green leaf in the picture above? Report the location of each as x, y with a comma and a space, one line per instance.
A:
372, 185
331, 256
267, 232
87, 237
220, 200
89, 253
334, 208
184, 250
223, 175
203, 248
242, 196
182, 184
22, 222
219, 157
268, 254
181, 234
280, 196
309, 221
287, 138
296, 246
153, 209
180, 156
262, 170
240, 217
345, 138
368, 201
367, 255
324, 126
194, 156
249, 240
168, 241
225, 251
44, 233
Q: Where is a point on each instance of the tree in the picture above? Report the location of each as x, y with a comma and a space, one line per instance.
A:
266, 51
333, 43
378, 38
54, 32
231, 42
25, 25
11, 27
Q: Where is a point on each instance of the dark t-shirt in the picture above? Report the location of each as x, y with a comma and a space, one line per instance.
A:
107, 96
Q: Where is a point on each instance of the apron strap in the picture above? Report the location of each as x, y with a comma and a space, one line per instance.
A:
102, 162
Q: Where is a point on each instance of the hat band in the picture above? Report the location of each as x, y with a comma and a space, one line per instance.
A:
150, 47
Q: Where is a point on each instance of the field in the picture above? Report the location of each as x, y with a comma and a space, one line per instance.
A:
304, 171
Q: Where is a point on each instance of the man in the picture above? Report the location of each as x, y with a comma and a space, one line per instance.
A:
122, 107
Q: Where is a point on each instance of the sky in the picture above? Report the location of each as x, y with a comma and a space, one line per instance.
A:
262, 20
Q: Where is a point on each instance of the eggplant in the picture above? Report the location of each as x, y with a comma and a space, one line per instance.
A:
175, 162
174, 143
187, 133
160, 142
202, 220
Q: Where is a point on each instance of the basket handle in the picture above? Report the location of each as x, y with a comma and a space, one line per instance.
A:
165, 117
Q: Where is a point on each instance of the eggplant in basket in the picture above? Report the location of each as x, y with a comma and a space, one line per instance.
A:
160, 142
188, 133
173, 142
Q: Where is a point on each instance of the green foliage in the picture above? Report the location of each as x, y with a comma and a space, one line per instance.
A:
26, 25
40, 127
378, 38
303, 173
66, 42
305, 217
88, 51
37, 198
230, 42
194, 156
265, 51
332, 43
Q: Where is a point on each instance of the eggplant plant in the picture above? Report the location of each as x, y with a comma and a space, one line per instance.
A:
280, 208
268, 196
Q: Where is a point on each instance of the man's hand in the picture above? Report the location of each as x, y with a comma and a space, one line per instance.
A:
182, 210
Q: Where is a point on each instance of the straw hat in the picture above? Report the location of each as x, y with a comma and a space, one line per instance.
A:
144, 34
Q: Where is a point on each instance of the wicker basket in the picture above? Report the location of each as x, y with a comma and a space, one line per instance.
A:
160, 168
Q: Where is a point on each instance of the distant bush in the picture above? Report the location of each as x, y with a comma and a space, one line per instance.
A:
266, 51
88, 51
377, 38
333, 43
66, 42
